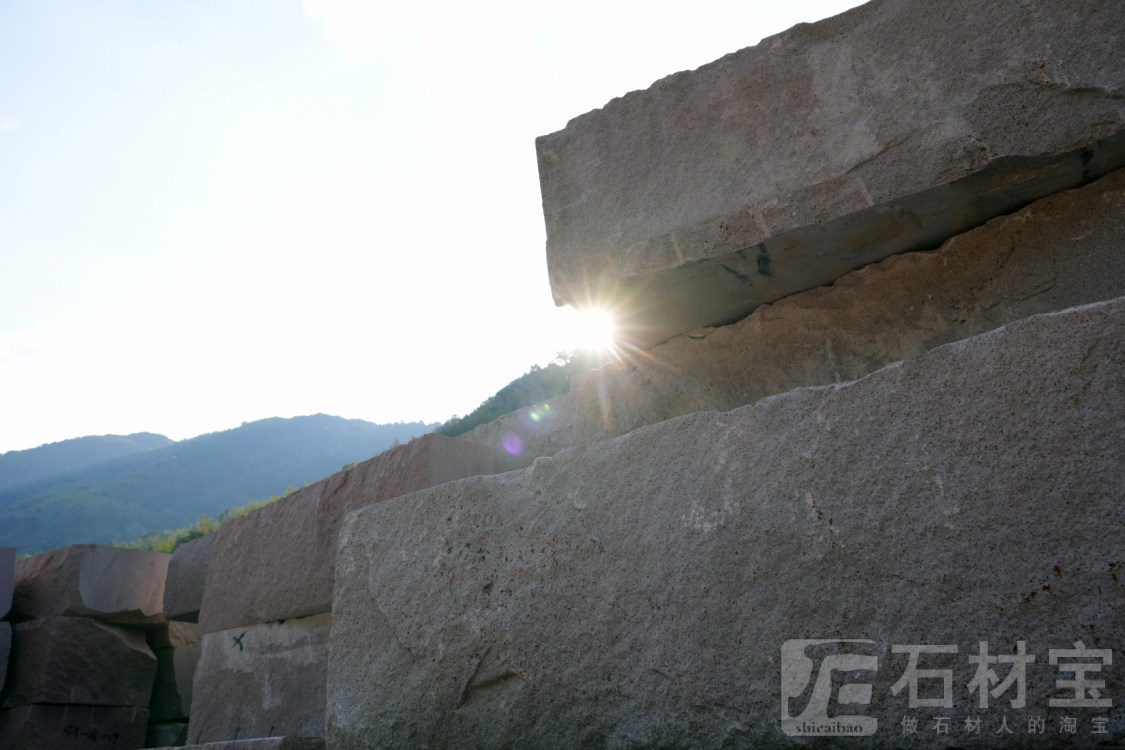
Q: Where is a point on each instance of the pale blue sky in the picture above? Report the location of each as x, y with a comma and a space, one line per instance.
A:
214, 212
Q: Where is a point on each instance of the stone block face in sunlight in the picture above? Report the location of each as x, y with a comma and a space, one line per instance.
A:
640, 592
783, 166
117, 585
262, 681
277, 562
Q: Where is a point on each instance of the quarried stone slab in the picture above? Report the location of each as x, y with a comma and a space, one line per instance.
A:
166, 734
5, 651
80, 661
783, 166
7, 578
124, 586
659, 589
1061, 251
276, 562
50, 727
187, 574
177, 647
262, 681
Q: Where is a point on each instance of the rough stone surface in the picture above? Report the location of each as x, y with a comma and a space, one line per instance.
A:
276, 562
268, 743
785, 165
81, 661
7, 578
637, 593
525, 434
262, 681
177, 648
187, 573
1059, 252
51, 727
5, 650
166, 734
117, 585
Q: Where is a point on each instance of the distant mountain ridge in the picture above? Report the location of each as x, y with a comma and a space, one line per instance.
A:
114, 488
54, 459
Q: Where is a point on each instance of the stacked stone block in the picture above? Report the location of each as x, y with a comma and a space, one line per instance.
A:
7, 585
82, 671
266, 608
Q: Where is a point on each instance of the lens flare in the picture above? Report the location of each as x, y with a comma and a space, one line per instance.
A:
594, 329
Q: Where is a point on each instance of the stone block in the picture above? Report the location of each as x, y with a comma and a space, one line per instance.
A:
1061, 251
51, 727
166, 734
525, 434
262, 681
7, 578
5, 651
187, 573
267, 743
124, 586
76, 660
640, 592
276, 562
177, 648
783, 166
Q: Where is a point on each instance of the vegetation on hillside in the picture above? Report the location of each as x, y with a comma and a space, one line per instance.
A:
536, 385
166, 488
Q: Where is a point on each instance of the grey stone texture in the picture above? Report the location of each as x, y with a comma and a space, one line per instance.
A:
77, 660
5, 651
778, 168
637, 593
7, 578
124, 586
277, 562
177, 647
166, 734
1061, 251
187, 574
262, 681
51, 727
267, 743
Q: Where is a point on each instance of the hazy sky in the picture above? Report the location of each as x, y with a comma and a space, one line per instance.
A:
225, 210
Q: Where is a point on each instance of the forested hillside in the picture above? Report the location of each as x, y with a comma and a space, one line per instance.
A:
171, 486
18, 468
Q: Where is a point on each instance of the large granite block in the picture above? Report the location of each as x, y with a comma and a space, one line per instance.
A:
783, 166
649, 591
276, 562
81, 661
117, 585
5, 651
1061, 251
187, 574
51, 727
261, 681
7, 578
177, 647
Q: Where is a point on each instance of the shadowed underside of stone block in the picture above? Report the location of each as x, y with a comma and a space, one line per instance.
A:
638, 593
267, 743
7, 578
783, 166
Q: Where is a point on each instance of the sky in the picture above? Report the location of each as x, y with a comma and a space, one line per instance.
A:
227, 210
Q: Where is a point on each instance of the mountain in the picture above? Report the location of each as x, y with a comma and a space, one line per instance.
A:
169, 486
54, 459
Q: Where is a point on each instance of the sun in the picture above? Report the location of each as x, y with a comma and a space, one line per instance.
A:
593, 329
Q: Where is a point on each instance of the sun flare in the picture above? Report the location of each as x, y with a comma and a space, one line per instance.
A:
594, 330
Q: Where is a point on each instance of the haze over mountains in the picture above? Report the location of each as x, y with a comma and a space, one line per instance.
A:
116, 487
